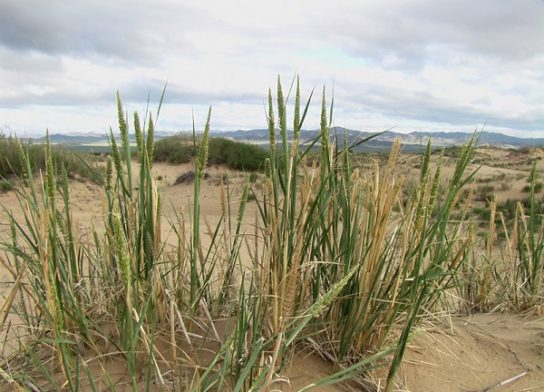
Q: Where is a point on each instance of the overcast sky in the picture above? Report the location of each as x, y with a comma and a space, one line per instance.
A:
412, 65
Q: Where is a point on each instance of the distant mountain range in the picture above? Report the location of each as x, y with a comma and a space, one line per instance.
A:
382, 141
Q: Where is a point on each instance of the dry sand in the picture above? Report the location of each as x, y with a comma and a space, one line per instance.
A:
465, 354
477, 352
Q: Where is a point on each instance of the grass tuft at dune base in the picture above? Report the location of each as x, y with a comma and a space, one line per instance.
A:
343, 260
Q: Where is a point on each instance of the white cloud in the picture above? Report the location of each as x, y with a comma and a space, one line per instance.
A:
416, 65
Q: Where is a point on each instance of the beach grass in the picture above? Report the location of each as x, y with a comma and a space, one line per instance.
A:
339, 261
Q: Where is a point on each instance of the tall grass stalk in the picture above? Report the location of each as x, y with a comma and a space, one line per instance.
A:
338, 262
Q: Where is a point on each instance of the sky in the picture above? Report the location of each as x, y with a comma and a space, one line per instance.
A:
410, 65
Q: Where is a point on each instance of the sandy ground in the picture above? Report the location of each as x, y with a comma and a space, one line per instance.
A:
477, 352
463, 354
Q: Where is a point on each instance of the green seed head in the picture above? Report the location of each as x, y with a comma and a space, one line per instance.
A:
202, 161
115, 154
324, 126
243, 201
271, 122
121, 116
281, 101
436, 184
296, 121
150, 140
22, 153
138, 134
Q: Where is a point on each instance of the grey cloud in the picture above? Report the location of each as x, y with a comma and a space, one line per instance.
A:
32, 64
138, 91
415, 30
120, 29
405, 35
58, 98
423, 106
179, 94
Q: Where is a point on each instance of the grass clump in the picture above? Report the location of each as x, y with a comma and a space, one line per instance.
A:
508, 275
340, 259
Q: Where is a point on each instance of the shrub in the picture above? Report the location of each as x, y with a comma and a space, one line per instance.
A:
501, 177
237, 155
510, 207
480, 212
174, 149
485, 192
6, 185
452, 152
75, 164
538, 187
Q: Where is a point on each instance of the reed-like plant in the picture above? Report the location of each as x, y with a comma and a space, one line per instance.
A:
338, 261
507, 274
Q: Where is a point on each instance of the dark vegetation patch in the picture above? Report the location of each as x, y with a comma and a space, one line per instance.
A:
538, 187
6, 185
174, 149
235, 155
509, 209
485, 192
188, 177
76, 165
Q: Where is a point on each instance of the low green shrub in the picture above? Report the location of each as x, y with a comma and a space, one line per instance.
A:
485, 192
237, 155
480, 212
174, 149
538, 187
6, 185
75, 164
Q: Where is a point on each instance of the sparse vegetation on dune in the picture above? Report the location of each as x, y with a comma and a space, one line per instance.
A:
237, 155
233, 154
12, 165
174, 149
343, 259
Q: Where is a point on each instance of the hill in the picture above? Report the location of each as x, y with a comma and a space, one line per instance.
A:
411, 141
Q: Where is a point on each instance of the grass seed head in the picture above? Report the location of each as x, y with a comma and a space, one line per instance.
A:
202, 161
150, 140
138, 134
271, 123
324, 126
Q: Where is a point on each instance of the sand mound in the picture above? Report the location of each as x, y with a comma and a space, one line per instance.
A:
477, 353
